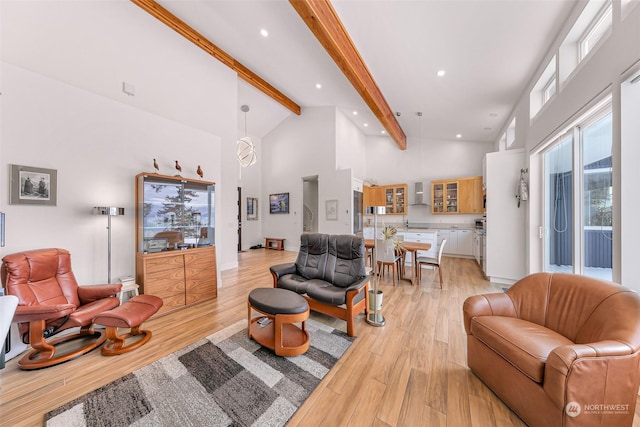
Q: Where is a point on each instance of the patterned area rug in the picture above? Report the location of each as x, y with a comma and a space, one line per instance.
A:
225, 379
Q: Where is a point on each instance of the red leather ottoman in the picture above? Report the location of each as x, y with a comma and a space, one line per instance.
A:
129, 315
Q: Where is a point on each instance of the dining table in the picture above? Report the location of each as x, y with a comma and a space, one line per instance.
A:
412, 247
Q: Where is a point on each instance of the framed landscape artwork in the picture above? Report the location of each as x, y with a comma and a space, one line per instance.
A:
331, 210
279, 203
33, 186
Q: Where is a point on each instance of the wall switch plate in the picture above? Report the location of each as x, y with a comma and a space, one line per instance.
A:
128, 88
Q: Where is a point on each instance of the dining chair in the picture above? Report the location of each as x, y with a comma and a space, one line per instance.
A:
386, 256
402, 254
434, 262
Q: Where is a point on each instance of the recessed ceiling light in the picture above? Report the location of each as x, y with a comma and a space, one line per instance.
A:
384, 132
441, 73
318, 86
355, 113
264, 33
366, 124
459, 135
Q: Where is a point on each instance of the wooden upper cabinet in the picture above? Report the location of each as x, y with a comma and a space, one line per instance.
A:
392, 197
470, 195
373, 196
459, 195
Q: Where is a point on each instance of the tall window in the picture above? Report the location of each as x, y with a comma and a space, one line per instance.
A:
579, 229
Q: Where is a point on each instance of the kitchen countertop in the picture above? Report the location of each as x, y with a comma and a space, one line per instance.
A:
437, 226
427, 227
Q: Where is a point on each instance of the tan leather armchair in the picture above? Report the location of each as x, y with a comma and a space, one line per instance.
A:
50, 301
558, 349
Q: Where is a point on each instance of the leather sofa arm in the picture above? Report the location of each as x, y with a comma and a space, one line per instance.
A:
28, 313
279, 270
89, 294
582, 368
358, 284
498, 304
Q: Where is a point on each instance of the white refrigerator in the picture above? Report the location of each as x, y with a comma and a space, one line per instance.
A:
505, 222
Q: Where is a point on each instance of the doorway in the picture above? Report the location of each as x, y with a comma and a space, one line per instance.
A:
310, 204
239, 219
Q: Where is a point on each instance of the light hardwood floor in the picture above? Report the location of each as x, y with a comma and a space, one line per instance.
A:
411, 372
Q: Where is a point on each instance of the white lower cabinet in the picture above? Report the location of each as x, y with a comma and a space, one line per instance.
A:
465, 242
459, 242
430, 237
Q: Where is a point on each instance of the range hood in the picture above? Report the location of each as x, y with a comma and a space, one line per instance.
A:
419, 195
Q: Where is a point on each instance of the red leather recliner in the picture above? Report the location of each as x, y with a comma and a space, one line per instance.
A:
50, 301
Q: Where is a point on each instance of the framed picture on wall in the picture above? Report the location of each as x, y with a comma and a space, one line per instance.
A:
252, 208
279, 203
33, 186
331, 210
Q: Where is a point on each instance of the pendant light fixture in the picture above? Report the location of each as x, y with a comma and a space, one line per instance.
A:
246, 150
419, 192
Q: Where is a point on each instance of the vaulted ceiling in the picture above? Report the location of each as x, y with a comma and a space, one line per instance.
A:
489, 50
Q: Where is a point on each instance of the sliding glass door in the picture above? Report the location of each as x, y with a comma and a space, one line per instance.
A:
578, 205
558, 166
597, 194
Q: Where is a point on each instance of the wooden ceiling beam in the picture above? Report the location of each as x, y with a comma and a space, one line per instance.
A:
324, 23
172, 21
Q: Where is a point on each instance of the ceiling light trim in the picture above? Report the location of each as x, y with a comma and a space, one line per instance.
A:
324, 23
172, 21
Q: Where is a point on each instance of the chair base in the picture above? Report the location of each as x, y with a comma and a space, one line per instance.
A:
39, 358
116, 343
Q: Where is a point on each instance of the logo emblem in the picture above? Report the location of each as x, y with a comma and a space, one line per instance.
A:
573, 409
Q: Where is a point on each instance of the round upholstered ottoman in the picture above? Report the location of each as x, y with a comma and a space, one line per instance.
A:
275, 328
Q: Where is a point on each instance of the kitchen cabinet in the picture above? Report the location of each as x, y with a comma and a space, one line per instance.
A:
459, 241
444, 197
464, 242
459, 195
392, 197
175, 256
470, 195
477, 246
373, 196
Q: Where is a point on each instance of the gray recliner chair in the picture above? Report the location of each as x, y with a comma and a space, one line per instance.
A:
330, 273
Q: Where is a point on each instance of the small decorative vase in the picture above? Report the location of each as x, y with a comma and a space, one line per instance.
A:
375, 300
388, 247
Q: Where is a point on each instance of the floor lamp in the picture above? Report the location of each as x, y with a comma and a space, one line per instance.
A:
109, 211
375, 318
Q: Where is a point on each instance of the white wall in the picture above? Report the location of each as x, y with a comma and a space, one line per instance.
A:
63, 66
351, 144
629, 200
301, 146
97, 146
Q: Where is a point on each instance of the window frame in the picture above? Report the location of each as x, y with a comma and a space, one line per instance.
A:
586, 43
